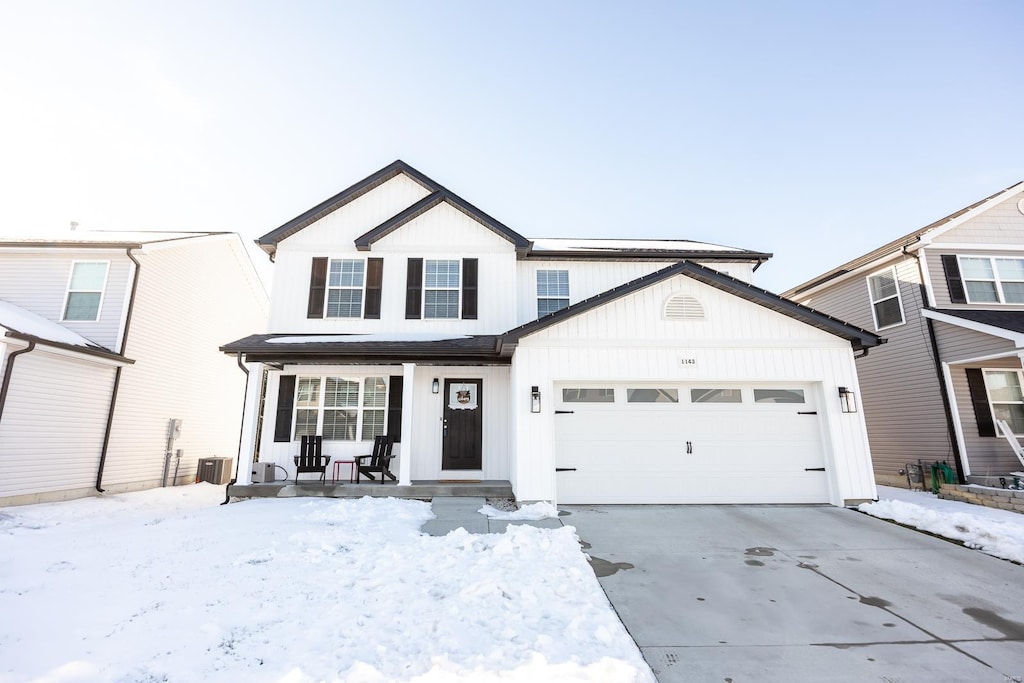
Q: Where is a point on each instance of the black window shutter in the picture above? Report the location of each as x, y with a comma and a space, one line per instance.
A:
414, 288
469, 280
953, 281
374, 285
317, 288
979, 398
285, 398
395, 407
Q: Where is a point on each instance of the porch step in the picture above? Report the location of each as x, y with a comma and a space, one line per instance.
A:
423, 490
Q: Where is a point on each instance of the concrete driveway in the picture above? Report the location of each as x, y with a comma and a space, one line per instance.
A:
802, 593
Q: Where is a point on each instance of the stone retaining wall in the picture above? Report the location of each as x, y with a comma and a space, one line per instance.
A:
982, 495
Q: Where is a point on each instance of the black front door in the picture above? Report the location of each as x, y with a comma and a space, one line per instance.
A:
463, 425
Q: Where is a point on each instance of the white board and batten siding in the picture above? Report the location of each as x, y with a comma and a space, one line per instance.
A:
193, 296
37, 280
737, 344
53, 425
426, 437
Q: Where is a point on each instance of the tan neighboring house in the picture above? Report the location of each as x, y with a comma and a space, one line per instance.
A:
105, 337
949, 297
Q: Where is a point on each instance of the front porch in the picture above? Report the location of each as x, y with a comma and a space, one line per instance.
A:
419, 489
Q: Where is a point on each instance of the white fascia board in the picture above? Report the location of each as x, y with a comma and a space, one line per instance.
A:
1016, 337
965, 246
928, 237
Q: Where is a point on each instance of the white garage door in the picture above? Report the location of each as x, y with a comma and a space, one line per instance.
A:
638, 443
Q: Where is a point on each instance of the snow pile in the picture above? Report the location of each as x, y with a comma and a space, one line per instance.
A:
995, 532
21, 320
169, 585
541, 510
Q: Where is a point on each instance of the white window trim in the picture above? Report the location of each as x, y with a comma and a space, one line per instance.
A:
988, 394
566, 298
328, 288
995, 278
359, 407
68, 291
899, 298
458, 289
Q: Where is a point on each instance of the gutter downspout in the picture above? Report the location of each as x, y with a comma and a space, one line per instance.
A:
947, 407
7, 374
238, 460
117, 373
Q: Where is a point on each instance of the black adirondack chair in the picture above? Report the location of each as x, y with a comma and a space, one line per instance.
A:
311, 458
378, 461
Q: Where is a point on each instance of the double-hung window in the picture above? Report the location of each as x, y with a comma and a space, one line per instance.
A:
85, 291
1006, 398
886, 302
347, 409
345, 288
552, 291
993, 280
441, 289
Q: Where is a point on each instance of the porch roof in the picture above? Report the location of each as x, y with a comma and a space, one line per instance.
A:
1011, 321
363, 348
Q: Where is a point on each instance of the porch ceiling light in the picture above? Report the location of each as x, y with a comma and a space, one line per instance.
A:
848, 400
435, 387
534, 399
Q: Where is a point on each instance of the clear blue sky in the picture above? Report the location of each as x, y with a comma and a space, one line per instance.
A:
814, 130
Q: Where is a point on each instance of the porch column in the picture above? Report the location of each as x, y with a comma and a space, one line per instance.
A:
250, 416
405, 461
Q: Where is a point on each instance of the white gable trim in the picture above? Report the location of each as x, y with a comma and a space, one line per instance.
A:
928, 237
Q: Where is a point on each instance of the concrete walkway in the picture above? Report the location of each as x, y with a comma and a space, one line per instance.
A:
452, 513
791, 593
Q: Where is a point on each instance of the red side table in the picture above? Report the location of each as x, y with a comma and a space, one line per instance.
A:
337, 470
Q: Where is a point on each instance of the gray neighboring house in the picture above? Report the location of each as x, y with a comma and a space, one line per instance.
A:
949, 297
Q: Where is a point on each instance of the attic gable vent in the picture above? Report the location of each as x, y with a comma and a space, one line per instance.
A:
683, 307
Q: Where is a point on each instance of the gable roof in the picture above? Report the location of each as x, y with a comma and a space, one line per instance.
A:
438, 194
908, 240
860, 339
100, 239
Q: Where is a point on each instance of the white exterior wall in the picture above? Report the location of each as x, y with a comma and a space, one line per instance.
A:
51, 432
738, 342
37, 280
425, 438
193, 296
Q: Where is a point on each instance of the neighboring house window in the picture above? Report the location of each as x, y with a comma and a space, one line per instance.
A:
85, 290
346, 407
1006, 398
441, 289
886, 304
993, 280
345, 288
552, 291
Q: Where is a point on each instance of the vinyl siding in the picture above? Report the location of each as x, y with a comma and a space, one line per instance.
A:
192, 297
901, 390
38, 280
1001, 224
51, 434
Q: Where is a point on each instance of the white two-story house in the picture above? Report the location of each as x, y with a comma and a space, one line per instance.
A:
581, 371
950, 299
105, 338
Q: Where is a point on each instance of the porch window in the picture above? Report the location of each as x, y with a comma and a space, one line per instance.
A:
346, 407
886, 302
441, 289
552, 291
85, 291
1006, 398
345, 288
988, 279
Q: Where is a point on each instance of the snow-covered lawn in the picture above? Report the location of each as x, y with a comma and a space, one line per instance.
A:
168, 585
993, 531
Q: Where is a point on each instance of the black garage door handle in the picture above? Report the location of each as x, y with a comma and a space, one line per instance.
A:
565, 469
807, 412
814, 469
564, 412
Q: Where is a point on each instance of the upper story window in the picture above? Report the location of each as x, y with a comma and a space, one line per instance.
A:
345, 288
441, 289
886, 302
85, 290
993, 280
552, 291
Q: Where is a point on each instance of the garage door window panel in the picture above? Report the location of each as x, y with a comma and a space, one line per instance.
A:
716, 395
779, 396
588, 395
643, 395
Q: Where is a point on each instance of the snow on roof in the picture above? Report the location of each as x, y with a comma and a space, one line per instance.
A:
72, 237
333, 338
26, 322
568, 244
